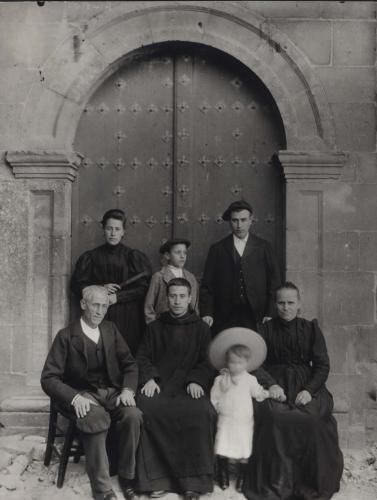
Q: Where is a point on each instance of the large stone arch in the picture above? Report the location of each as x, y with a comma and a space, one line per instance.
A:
46, 164
79, 65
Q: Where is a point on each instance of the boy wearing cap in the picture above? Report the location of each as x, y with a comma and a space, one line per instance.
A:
240, 276
174, 252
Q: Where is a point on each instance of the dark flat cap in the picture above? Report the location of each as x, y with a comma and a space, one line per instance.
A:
237, 206
175, 241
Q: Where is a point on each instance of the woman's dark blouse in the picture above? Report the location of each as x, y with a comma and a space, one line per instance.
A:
116, 264
297, 356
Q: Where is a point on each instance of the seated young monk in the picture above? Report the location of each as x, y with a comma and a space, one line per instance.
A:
296, 452
176, 445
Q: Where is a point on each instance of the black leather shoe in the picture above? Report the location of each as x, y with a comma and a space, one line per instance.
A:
110, 495
222, 475
240, 477
157, 494
191, 495
126, 485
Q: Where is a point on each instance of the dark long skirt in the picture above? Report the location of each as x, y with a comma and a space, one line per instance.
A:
176, 445
296, 453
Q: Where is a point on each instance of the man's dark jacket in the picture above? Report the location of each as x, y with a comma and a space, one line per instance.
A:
261, 275
65, 371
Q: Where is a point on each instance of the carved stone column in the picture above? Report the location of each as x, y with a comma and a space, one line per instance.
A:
307, 174
46, 180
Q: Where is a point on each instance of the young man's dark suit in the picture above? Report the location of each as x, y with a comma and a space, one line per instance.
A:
65, 374
233, 300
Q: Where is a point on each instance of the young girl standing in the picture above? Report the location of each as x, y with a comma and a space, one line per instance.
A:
235, 352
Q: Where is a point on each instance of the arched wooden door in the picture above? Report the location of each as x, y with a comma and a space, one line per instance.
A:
174, 136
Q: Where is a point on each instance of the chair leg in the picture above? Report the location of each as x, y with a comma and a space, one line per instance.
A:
78, 453
50, 437
65, 453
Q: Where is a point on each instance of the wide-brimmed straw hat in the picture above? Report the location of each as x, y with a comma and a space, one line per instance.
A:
233, 336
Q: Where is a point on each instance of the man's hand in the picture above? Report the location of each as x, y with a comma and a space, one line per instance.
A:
208, 320
277, 393
112, 299
195, 390
111, 288
81, 405
150, 388
303, 398
126, 397
265, 319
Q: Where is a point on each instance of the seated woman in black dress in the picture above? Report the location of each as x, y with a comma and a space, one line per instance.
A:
296, 452
112, 265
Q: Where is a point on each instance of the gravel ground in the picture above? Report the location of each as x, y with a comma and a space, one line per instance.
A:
23, 476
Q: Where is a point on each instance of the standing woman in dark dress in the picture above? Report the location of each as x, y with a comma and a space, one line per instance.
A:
296, 451
112, 265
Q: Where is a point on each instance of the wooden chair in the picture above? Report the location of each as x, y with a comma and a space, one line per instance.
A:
72, 446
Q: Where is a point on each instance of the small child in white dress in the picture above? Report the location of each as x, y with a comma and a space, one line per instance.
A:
231, 395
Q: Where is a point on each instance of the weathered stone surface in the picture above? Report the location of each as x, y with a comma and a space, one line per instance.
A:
73, 79
15, 84
17, 420
371, 426
15, 444
82, 12
6, 348
357, 390
348, 84
355, 126
35, 402
20, 343
303, 250
347, 10
337, 384
343, 422
5, 459
368, 251
366, 347
13, 221
340, 342
350, 207
28, 45
288, 9
366, 168
354, 42
349, 298
10, 123
14, 471
304, 33
5, 171
341, 251
30, 13
356, 437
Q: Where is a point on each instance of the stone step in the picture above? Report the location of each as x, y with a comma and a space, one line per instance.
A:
27, 414
24, 419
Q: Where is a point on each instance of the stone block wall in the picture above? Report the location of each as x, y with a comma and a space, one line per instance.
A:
331, 224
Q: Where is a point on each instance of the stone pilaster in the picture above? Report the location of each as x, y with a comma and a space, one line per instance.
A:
45, 178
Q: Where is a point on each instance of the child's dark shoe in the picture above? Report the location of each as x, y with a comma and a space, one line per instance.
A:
241, 470
222, 472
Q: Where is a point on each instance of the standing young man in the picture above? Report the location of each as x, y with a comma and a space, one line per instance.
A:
240, 277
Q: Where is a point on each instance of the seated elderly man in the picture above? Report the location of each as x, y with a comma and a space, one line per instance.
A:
176, 444
91, 373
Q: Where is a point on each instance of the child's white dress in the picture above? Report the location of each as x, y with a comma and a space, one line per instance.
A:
232, 398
